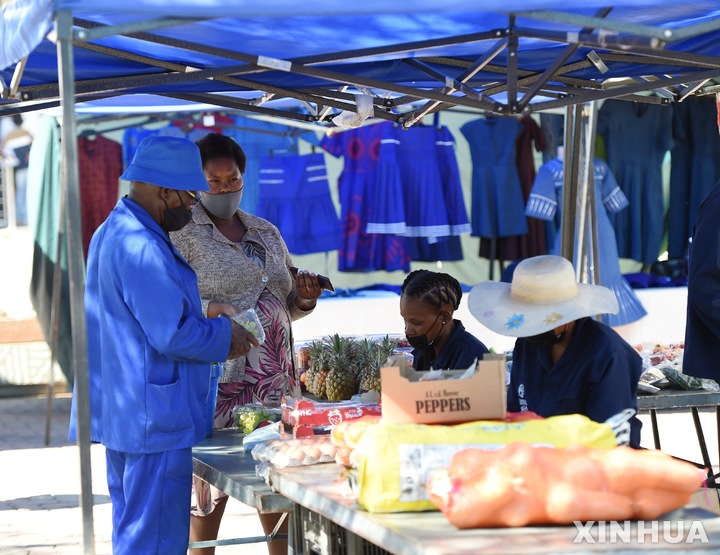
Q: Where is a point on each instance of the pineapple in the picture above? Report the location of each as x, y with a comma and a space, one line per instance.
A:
375, 358
317, 354
320, 383
341, 382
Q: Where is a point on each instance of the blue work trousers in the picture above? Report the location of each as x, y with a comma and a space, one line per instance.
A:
150, 496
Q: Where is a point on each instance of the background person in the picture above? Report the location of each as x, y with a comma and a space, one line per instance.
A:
428, 301
702, 329
242, 262
15, 149
564, 361
150, 349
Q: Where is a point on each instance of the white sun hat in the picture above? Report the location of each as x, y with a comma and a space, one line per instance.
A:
542, 296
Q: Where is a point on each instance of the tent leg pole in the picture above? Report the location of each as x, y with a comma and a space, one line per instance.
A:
76, 266
54, 315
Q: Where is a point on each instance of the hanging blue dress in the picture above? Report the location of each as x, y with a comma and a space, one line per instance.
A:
497, 206
295, 196
546, 203
419, 194
637, 136
361, 251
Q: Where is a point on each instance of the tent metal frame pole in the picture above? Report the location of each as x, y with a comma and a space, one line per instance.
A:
591, 132
553, 68
55, 313
570, 178
581, 185
463, 78
76, 268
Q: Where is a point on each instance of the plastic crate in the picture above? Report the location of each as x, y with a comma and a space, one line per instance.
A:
315, 534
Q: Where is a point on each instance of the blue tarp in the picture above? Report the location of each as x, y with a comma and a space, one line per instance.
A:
313, 31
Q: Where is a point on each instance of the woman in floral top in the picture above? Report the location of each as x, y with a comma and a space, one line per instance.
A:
241, 262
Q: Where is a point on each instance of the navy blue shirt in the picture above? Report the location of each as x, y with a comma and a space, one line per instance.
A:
702, 329
459, 353
596, 376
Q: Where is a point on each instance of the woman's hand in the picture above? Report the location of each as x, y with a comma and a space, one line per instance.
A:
241, 342
307, 288
215, 309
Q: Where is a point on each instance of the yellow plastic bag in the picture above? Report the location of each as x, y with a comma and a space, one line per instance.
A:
393, 461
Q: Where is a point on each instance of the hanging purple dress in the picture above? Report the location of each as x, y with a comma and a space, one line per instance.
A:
361, 251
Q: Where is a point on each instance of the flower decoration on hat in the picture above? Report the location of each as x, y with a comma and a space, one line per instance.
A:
552, 317
515, 321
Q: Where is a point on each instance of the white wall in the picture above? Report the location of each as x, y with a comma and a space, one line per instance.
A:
379, 313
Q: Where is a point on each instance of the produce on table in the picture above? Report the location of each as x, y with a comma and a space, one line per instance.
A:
346, 435
341, 380
249, 417
521, 484
372, 355
392, 462
340, 367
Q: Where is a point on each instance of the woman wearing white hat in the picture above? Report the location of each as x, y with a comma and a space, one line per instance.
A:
564, 361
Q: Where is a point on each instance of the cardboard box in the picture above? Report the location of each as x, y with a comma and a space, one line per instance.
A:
304, 417
406, 399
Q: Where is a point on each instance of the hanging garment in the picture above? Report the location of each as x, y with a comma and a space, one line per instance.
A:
295, 196
694, 170
534, 243
442, 249
546, 203
100, 164
43, 197
361, 251
419, 193
497, 207
265, 139
636, 138
553, 129
256, 138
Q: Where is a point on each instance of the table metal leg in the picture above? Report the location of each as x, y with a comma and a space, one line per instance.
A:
703, 448
655, 431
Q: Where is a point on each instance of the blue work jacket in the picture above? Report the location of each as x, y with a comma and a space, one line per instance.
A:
149, 346
596, 376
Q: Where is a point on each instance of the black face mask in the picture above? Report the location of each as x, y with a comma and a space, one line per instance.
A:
176, 218
547, 339
421, 342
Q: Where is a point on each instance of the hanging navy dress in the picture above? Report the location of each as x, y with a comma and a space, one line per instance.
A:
546, 203
361, 251
694, 170
295, 196
497, 207
636, 138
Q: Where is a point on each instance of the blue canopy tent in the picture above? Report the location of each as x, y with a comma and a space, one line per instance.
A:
413, 58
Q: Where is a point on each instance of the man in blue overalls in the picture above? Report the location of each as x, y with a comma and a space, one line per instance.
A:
150, 350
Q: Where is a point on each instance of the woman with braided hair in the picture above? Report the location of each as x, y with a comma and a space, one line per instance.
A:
427, 303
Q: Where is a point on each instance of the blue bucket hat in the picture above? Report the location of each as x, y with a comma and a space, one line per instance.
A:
169, 162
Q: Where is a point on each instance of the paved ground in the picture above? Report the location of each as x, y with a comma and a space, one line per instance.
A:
39, 487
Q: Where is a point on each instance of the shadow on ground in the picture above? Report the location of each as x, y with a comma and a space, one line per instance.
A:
48, 502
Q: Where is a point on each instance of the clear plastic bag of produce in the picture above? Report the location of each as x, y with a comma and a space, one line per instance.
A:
683, 381
251, 322
250, 417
